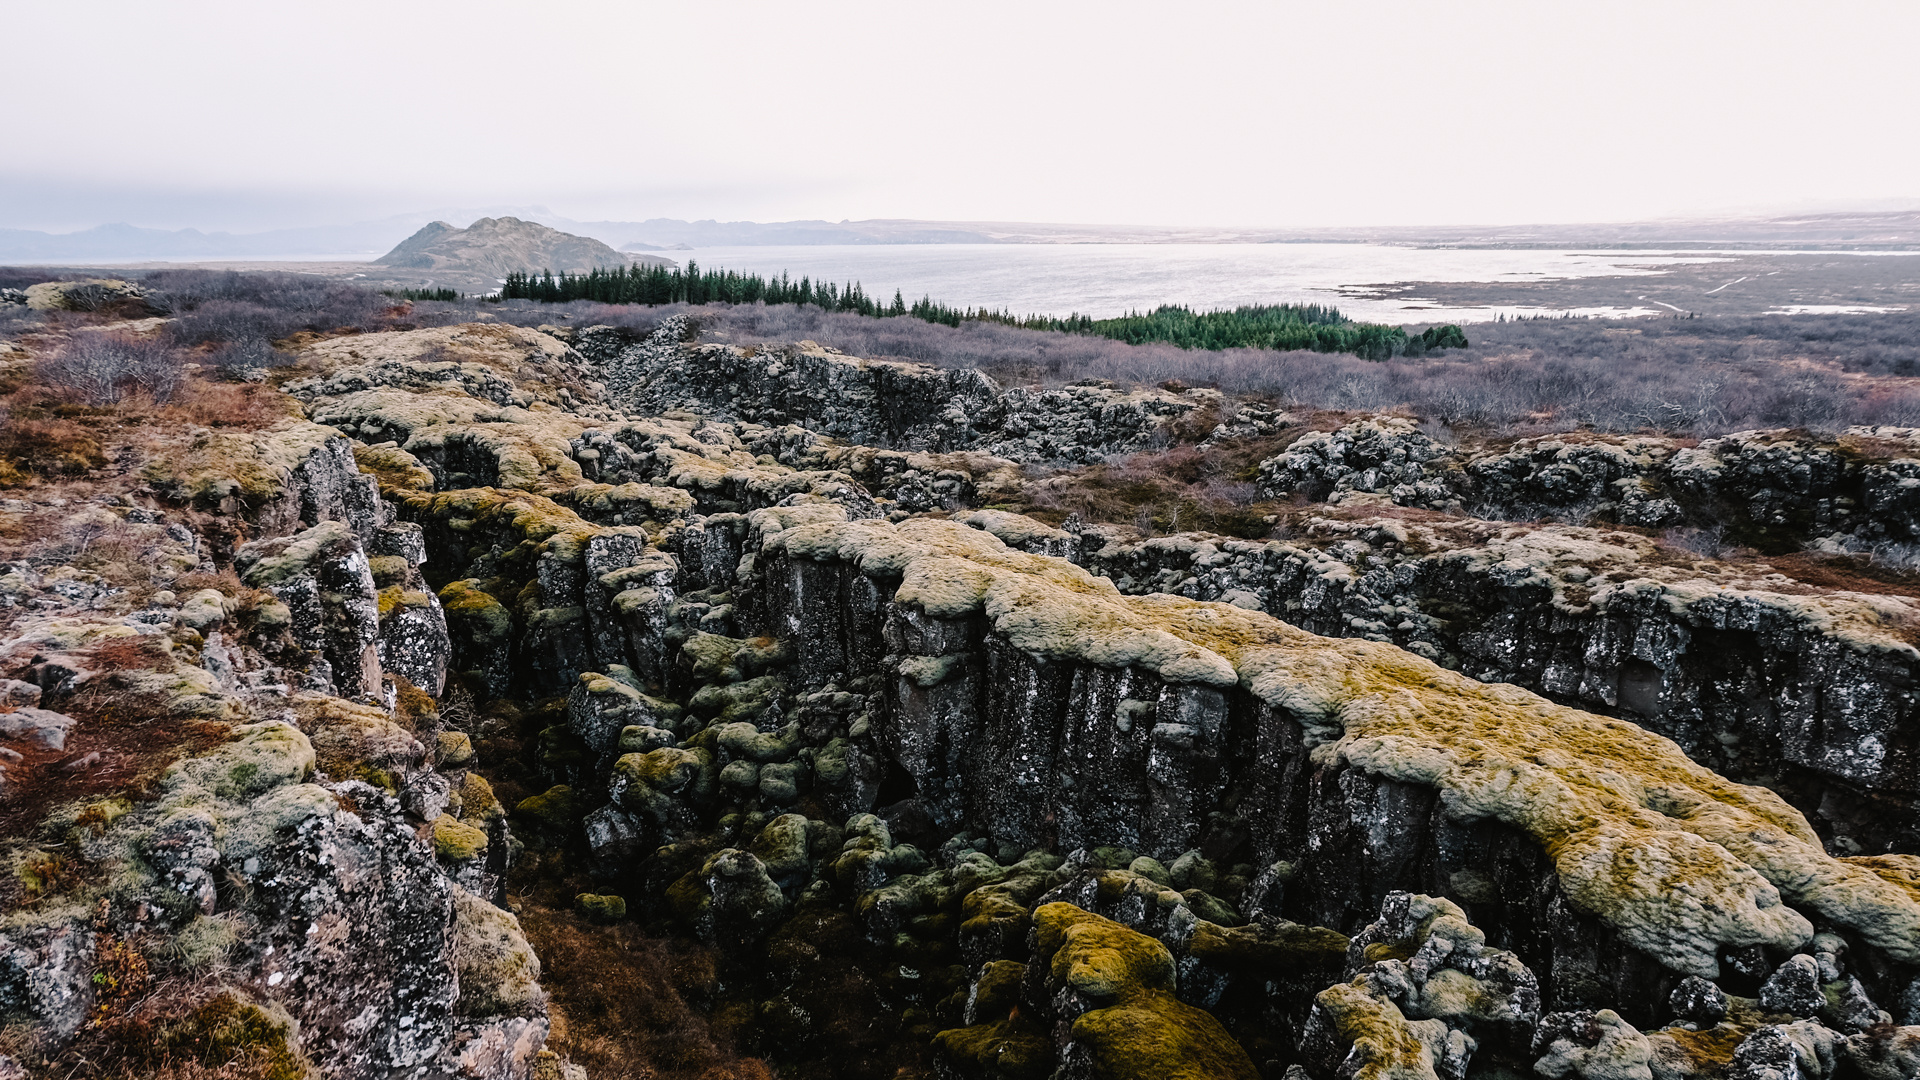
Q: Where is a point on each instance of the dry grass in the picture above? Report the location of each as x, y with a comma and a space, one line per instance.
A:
121, 743
1182, 489
627, 1006
167, 1028
34, 449
1852, 573
246, 406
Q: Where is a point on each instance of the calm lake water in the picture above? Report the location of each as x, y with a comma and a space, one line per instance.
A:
1105, 280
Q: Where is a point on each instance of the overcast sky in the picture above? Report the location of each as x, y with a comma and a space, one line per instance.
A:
249, 115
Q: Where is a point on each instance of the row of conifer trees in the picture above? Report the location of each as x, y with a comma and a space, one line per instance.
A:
1272, 326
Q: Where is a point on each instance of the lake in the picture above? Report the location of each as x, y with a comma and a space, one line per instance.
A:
1105, 280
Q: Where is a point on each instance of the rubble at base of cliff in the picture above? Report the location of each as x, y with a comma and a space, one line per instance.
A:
552, 703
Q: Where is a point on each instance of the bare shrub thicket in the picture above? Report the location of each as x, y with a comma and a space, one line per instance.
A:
19, 277
247, 359
103, 368
19, 319
216, 306
1696, 377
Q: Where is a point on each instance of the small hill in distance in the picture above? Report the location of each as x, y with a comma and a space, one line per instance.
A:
491, 247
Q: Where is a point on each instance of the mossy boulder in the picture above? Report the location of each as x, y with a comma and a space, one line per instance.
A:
455, 749
477, 800
263, 756
714, 658
204, 610
228, 1032
730, 900
456, 841
739, 702
357, 741
556, 809
499, 973
1130, 1024
600, 907
1011, 1047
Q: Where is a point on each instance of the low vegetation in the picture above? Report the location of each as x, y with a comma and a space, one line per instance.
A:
1693, 377
105, 368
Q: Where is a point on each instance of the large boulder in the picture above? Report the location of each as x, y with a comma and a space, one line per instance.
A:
323, 578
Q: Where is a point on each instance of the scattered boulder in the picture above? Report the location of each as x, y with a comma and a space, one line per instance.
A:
29, 726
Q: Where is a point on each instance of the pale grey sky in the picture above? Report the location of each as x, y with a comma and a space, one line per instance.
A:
224, 114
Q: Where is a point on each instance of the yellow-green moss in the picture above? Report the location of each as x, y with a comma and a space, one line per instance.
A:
389, 570
477, 800
1280, 946
456, 841
1705, 1052
1012, 1046
668, 768
601, 907
455, 749
261, 757
293, 556
499, 973
484, 618
395, 469
229, 1029
556, 808
348, 736
1384, 1047
252, 467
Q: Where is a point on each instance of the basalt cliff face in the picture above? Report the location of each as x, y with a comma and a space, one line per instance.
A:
633, 643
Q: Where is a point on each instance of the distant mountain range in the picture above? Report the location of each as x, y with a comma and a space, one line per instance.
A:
363, 241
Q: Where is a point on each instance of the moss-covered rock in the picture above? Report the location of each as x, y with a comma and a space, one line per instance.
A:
1622, 811
229, 1031
556, 809
477, 800
499, 974
262, 756
454, 749
456, 841
358, 741
1121, 985
600, 907
714, 658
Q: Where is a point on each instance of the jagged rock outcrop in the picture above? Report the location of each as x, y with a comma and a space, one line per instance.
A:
1124, 689
1751, 672
887, 403
293, 475
1165, 796
322, 580
314, 890
1774, 490
292, 862
1423, 991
